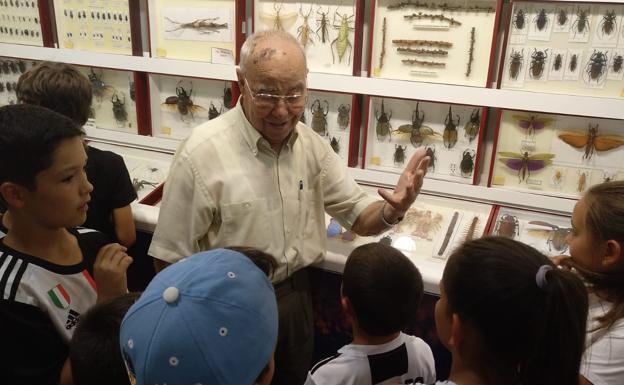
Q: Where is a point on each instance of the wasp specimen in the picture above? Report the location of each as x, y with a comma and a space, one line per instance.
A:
562, 17
344, 116
430, 152
323, 22
213, 112
532, 123
119, 109
581, 24
519, 19
182, 102
466, 166
608, 23
335, 144
100, 89
471, 129
429, 16
417, 131
383, 127
596, 66
515, 63
304, 33
541, 20
471, 51
203, 26
582, 182
399, 154
319, 117
538, 62
525, 163
341, 42
616, 66
556, 236
558, 63
507, 226
450, 129
591, 141
573, 62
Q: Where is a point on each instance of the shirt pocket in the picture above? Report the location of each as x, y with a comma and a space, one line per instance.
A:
246, 224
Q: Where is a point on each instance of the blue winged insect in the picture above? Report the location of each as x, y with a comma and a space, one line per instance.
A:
99, 88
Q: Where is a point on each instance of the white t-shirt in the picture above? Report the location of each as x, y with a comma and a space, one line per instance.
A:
603, 361
406, 360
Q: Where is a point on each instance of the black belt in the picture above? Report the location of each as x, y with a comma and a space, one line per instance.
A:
297, 282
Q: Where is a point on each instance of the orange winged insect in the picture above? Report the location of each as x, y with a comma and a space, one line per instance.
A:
591, 141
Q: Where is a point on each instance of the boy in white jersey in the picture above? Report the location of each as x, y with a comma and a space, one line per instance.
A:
381, 290
49, 275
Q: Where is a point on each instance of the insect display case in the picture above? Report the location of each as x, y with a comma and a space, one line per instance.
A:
114, 104
179, 104
431, 229
545, 232
25, 22
10, 71
332, 116
329, 31
201, 30
107, 26
556, 154
450, 133
563, 47
434, 41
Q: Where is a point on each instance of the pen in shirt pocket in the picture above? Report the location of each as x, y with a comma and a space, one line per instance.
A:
300, 192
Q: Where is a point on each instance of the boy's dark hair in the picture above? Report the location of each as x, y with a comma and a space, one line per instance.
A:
59, 87
29, 135
265, 261
384, 288
531, 327
94, 349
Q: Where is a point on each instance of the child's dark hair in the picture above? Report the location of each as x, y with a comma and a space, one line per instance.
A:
531, 326
59, 87
94, 349
384, 288
604, 220
29, 135
265, 261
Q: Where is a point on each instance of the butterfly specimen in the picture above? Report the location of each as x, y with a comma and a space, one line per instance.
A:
525, 163
591, 141
532, 123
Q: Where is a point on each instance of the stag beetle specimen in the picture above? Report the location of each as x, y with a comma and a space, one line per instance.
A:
182, 102
344, 116
399, 154
383, 128
335, 144
213, 112
119, 109
319, 117
450, 129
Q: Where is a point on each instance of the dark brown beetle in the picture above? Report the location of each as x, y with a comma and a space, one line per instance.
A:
541, 20
319, 117
430, 152
471, 129
515, 63
119, 109
617, 63
538, 61
581, 24
519, 19
556, 236
558, 62
213, 112
344, 116
335, 144
386, 240
383, 128
507, 226
450, 129
467, 163
562, 17
608, 24
399, 154
182, 102
573, 62
597, 66
227, 96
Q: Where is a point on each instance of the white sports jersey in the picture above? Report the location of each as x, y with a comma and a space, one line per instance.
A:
406, 360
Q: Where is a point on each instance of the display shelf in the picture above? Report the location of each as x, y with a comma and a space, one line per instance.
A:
496, 98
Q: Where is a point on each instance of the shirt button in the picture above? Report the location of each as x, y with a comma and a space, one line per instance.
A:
247, 205
287, 231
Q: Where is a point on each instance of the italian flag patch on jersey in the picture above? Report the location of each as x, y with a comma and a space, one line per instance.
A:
59, 297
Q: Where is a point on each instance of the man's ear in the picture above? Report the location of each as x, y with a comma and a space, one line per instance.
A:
13, 194
613, 258
240, 78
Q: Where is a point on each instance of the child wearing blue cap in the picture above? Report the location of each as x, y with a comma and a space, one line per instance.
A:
208, 319
381, 290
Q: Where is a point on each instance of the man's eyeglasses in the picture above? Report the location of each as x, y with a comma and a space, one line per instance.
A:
268, 101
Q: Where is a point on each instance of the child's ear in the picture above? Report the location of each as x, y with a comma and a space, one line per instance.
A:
614, 255
347, 307
458, 332
13, 194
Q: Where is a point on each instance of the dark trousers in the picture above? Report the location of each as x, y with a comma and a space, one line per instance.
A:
295, 341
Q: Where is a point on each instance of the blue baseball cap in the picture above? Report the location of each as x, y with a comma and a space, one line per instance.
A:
208, 319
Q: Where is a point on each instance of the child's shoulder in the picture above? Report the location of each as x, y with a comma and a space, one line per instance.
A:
104, 160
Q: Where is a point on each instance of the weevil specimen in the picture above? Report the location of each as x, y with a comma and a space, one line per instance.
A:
341, 42
319, 117
383, 127
450, 129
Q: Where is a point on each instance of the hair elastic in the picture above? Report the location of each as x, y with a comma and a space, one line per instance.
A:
540, 276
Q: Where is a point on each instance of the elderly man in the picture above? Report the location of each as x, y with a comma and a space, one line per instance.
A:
258, 177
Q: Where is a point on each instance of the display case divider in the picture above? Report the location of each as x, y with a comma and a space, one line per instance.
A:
135, 28
499, 115
46, 9
354, 133
143, 109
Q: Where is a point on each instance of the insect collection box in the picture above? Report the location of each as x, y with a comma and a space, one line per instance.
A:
438, 41
180, 104
201, 30
556, 154
10, 71
98, 25
450, 133
20, 22
545, 232
113, 106
332, 116
329, 31
431, 229
567, 48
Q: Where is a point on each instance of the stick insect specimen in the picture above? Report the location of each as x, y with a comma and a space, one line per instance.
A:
383, 44
323, 22
341, 42
418, 132
203, 26
532, 123
471, 52
591, 141
304, 33
182, 102
423, 63
525, 163
433, 43
441, 17
422, 51
443, 6
555, 236
279, 21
